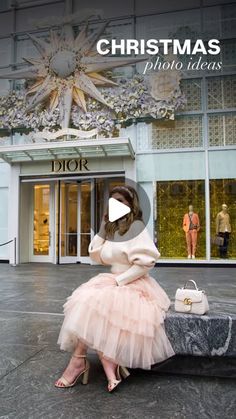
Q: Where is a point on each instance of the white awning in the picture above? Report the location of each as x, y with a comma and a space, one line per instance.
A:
107, 147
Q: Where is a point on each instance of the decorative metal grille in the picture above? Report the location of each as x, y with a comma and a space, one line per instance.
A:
192, 89
144, 132
184, 132
221, 92
222, 129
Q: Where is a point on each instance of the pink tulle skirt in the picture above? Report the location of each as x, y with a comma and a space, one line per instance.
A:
124, 323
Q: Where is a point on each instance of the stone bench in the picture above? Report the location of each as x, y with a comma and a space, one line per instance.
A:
204, 345
208, 335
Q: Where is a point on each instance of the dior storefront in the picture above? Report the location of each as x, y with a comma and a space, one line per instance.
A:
174, 134
57, 196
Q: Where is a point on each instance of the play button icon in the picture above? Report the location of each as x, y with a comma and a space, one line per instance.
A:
116, 210
125, 213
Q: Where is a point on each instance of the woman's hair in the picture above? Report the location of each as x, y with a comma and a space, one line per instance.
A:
131, 197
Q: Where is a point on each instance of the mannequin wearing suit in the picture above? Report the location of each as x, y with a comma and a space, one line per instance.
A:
223, 229
191, 226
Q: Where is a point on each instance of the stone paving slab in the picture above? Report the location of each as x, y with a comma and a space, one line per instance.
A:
28, 392
13, 355
59, 281
34, 329
31, 299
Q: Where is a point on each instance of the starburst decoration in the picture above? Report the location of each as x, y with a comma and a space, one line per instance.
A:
68, 70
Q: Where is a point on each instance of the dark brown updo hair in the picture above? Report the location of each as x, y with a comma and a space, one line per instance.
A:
132, 198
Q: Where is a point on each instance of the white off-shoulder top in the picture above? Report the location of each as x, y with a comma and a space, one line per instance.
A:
130, 258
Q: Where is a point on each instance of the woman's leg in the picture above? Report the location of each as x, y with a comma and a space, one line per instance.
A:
109, 367
113, 373
75, 366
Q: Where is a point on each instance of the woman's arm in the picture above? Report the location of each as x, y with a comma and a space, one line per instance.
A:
133, 273
142, 255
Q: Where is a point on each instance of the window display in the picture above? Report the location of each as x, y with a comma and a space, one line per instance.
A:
41, 237
180, 208
222, 204
191, 226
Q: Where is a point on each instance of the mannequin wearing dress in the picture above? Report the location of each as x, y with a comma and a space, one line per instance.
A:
119, 314
223, 229
191, 226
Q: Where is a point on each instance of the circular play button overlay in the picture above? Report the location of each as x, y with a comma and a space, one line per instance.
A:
117, 210
127, 211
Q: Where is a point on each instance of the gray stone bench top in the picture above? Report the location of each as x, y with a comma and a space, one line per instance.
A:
210, 335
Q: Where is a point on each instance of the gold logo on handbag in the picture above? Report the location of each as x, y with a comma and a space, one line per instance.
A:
189, 300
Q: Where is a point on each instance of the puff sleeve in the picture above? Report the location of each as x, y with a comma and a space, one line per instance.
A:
95, 248
142, 255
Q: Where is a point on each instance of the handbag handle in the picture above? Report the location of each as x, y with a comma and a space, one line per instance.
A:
193, 282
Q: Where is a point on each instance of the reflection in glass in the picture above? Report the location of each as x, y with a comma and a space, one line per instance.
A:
41, 219
223, 191
69, 202
172, 203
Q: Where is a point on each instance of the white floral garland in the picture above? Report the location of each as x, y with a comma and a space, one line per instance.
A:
129, 101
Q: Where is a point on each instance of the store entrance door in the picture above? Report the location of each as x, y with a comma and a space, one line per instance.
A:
59, 218
76, 203
42, 223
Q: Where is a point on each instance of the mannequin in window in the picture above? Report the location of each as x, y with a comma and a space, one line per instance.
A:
191, 226
223, 229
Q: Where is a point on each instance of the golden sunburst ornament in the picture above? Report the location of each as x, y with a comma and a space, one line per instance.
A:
67, 70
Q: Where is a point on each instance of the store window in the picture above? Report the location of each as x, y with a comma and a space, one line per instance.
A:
41, 240
223, 191
172, 203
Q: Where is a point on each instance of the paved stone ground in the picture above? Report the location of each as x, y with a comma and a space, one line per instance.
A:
31, 299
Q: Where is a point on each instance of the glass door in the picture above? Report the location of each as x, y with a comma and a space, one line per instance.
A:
69, 222
85, 219
76, 220
42, 224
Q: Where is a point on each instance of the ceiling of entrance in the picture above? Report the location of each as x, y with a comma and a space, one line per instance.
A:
119, 147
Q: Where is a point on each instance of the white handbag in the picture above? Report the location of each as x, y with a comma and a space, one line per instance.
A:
193, 301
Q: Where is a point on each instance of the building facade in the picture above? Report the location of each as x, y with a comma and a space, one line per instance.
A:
52, 197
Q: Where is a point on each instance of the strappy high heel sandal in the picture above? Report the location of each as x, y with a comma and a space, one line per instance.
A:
83, 374
121, 372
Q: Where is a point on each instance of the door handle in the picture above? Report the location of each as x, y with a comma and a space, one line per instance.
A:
50, 238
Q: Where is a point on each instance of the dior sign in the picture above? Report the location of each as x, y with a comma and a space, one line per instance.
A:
72, 165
